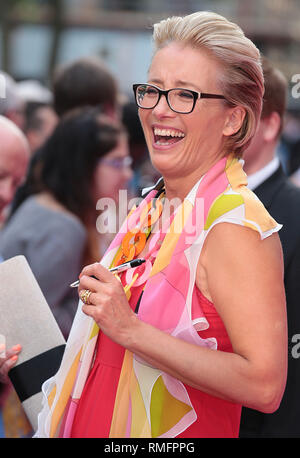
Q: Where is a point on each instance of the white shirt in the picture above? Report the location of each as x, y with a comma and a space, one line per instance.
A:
263, 174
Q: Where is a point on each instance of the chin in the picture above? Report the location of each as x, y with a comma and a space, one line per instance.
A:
166, 162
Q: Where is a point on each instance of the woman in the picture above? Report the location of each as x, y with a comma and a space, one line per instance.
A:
200, 328
55, 226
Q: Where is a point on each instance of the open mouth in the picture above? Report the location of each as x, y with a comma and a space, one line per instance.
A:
165, 137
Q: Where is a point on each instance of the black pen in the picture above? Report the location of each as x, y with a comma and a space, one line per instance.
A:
120, 268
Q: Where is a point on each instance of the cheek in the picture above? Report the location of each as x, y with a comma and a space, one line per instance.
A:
205, 129
195, 136
144, 116
100, 182
107, 183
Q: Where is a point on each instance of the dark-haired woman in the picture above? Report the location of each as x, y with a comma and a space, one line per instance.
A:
54, 226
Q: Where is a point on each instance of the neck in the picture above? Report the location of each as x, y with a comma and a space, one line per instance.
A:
179, 187
260, 160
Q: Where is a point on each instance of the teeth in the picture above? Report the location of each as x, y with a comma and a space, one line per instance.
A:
168, 133
162, 143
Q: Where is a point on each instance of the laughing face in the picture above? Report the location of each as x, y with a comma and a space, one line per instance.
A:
185, 145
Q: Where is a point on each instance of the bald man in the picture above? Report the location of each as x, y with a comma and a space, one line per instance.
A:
14, 159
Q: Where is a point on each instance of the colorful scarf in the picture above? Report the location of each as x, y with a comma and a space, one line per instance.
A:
149, 402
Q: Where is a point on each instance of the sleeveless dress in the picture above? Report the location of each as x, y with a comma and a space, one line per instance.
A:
112, 392
215, 417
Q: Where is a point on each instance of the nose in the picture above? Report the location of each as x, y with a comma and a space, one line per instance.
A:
162, 109
127, 173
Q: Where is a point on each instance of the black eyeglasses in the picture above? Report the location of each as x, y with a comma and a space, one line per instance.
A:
179, 100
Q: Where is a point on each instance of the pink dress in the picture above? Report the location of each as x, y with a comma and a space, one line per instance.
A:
215, 417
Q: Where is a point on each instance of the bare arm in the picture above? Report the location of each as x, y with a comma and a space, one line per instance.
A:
244, 277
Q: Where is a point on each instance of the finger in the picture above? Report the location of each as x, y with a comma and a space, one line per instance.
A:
89, 310
100, 272
7, 366
11, 361
15, 350
90, 283
97, 287
85, 296
85, 270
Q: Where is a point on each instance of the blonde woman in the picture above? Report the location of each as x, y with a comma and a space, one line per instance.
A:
177, 346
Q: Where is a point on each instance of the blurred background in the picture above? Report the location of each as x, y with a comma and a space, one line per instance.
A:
38, 35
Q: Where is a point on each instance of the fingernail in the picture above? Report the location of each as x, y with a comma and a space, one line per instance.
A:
17, 347
14, 358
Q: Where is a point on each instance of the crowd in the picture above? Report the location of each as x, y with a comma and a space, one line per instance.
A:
65, 147
62, 149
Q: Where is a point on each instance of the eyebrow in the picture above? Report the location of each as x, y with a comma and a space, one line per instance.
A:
179, 83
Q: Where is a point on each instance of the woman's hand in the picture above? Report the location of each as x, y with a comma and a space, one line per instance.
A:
8, 361
108, 304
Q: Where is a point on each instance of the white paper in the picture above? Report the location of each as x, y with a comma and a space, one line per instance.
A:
2, 342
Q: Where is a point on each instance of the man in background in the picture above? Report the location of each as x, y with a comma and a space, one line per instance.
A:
282, 199
14, 158
82, 82
40, 118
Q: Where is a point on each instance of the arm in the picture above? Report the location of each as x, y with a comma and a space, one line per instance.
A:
246, 286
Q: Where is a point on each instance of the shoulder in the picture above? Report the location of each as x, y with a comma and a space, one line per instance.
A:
233, 237
241, 207
35, 223
235, 252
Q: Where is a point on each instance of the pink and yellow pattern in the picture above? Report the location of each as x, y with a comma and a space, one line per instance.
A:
149, 402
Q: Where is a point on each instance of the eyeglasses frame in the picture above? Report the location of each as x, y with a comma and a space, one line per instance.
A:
196, 96
111, 162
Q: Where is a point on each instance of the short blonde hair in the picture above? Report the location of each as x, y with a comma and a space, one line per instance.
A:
241, 82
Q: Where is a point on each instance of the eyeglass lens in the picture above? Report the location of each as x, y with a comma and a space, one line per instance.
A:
117, 162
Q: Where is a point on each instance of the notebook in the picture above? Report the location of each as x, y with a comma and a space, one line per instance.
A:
26, 319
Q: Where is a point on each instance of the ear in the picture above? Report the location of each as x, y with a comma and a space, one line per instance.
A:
234, 120
271, 126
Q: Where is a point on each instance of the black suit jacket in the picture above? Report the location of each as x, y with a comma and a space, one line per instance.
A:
282, 200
